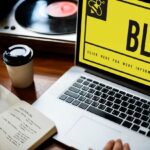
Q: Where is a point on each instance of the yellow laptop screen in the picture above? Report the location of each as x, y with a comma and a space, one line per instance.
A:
115, 37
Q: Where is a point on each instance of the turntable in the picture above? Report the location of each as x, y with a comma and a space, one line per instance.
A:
42, 24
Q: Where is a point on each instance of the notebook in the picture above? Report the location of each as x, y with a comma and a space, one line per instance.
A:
105, 95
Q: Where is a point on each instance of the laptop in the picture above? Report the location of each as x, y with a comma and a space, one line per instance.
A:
106, 94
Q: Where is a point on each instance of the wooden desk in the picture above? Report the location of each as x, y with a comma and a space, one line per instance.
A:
47, 69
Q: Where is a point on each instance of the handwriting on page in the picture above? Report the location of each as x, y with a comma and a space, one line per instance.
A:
20, 124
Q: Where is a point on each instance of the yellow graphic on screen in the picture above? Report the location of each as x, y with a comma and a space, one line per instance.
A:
119, 41
95, 6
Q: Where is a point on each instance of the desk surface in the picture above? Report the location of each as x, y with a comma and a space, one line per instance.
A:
47, 69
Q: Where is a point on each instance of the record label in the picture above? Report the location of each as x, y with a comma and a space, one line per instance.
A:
62, 9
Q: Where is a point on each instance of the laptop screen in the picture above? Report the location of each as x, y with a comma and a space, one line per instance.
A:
114, 36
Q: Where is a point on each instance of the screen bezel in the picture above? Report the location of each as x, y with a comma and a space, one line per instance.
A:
102, 73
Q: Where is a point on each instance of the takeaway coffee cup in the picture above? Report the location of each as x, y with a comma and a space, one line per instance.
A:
18, 60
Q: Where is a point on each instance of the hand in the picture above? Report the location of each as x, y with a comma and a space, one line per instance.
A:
116, 145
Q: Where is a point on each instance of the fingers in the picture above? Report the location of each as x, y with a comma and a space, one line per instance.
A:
126, 147
116, 145
109, 145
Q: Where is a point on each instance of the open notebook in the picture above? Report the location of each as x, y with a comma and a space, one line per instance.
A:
22, 127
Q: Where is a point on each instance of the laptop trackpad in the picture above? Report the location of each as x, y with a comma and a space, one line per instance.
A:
91, 132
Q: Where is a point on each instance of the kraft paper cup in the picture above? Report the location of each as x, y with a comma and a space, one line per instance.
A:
18, 60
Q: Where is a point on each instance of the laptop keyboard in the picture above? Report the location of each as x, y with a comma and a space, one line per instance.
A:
113, 104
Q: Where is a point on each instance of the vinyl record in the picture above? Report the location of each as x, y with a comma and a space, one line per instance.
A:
52, 17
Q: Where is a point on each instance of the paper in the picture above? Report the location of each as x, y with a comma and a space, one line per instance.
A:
21, 125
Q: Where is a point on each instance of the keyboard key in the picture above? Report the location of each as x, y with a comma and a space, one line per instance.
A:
78, 85
142, 132
83, 105
131, 101
129, 95
109, 110
104, 95
83, 93
91, 90
92, 85
72, 94
148, 134
130, 112
144, 118
138, 109
137, 121
79, 80
117, 101
95, 82
125, 104
98, 88
97, 93
144, 124
115, 112
145, 106
104, 90
127, 124
137, 115
130, 118
115, 90
63, 97
122, 92
102, 101
101, 106
81, 98
135, 97
89, 95
95, 104
122, 109
69, 99
125, 98
85, 88
73, 89
122, 115
145, 112
108, 87
143, 100
117, 95
90, 80
138, 103
104, 115
108, 103
83, 77
86, 83
76, 102
95, 98
115, 106
110, 98
135, 127
132, 107
88, 101
111, 93
101, 84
